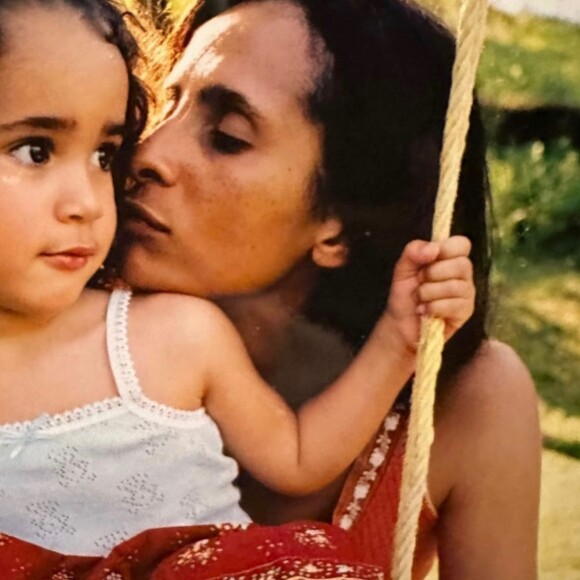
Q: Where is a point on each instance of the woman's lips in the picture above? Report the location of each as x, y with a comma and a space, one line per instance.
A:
140, 220
71, 259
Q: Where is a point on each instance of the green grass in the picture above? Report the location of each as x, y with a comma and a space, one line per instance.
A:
539, 313
537, 197
527, 61
509, 75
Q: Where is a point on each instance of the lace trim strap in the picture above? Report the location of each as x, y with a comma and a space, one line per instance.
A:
124, 370
118, 345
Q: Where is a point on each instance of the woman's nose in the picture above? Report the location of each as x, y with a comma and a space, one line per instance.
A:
153, 162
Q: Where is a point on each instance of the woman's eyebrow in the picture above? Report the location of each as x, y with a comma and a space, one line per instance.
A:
222, 100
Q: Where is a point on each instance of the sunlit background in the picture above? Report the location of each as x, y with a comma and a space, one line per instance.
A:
529, 84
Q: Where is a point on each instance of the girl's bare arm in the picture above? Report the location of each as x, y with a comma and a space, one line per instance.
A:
296, 454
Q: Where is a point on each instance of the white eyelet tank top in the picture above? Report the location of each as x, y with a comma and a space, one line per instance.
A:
82, 481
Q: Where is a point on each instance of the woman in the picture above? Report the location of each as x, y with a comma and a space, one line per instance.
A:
288, 116
297, 155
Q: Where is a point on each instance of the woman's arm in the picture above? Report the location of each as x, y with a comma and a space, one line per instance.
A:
485, 471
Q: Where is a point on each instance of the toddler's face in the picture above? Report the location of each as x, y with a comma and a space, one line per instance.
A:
63, 97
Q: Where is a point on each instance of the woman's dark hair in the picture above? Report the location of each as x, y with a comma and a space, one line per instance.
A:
381, 100
109, 21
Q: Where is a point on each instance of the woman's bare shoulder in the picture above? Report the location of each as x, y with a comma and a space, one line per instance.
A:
485, 469
488, 411
494, 383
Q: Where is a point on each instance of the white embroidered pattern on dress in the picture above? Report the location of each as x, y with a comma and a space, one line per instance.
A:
63, 575
70, 467
157, 437
293, 568
113, 576
49, 519
138, 493
194, 505
376, 459
201, 553
314, 537
109, 541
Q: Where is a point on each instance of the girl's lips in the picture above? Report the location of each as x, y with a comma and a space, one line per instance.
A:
69, 260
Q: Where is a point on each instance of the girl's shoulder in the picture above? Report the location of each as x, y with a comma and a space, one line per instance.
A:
184, 324
172, 339
486, 420
176, 315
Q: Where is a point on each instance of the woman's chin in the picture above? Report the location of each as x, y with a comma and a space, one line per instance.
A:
144, 275
138, 273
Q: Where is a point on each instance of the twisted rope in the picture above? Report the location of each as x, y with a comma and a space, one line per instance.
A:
470, 38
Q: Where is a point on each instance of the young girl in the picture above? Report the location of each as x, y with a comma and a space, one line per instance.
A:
110, 415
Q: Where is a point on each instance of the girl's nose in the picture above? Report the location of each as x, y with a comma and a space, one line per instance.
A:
82, 199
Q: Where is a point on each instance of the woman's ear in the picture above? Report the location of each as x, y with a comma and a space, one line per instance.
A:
330, 249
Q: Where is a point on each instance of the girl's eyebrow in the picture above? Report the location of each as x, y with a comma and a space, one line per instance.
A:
115, 129
49, 123
58, 124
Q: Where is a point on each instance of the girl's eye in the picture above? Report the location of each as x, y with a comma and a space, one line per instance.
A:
226, 144
33, 152
104, 156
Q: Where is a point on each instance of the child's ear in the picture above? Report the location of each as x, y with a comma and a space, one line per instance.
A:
330, 249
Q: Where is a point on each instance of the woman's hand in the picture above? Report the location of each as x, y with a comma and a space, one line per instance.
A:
435, 279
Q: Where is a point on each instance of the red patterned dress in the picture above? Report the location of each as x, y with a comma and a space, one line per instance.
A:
356, 546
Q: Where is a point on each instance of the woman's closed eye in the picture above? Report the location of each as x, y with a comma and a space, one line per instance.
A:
227, 144
33, 151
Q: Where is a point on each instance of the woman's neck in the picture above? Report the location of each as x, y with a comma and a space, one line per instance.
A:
263, 318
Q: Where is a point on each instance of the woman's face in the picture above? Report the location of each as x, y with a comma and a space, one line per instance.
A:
228, 176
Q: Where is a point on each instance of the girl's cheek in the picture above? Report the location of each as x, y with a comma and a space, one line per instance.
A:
10, 176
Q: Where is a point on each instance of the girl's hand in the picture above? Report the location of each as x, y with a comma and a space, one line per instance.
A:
435, 279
